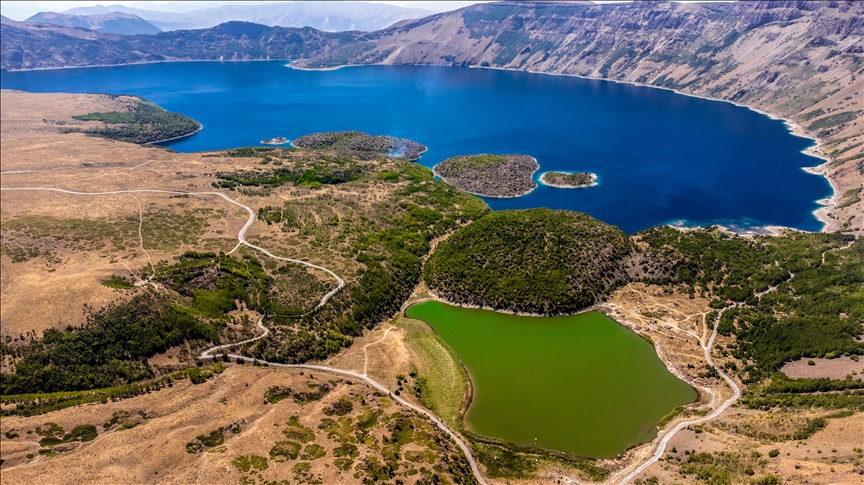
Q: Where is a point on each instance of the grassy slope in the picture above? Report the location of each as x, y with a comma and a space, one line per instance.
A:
446, 381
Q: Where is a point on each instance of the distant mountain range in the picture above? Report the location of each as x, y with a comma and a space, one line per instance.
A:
38, 45
327, 16
109, 23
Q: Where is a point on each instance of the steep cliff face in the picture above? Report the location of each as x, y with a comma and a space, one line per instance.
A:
799, 60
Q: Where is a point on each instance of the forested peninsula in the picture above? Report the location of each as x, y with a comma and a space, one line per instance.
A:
140, 122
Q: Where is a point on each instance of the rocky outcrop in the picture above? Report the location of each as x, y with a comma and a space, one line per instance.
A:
490, 175
566, 180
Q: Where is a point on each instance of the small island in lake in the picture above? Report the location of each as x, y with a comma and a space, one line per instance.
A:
361, 144
566, 180
279, 140
490, 175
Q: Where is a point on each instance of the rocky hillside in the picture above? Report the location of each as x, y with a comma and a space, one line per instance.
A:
39, 46
490, 175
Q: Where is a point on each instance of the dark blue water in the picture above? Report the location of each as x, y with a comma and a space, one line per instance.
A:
661, 157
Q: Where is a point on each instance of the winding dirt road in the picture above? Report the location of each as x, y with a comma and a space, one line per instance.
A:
668, 435
208, 354
241, 236
661, 445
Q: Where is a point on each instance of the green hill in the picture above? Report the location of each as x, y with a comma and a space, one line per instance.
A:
530, 261
143, 122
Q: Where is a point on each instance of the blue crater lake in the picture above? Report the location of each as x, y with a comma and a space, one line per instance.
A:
661, 157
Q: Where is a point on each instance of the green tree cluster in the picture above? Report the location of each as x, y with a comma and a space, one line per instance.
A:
816, 313
530, 261
143, 123
109, 350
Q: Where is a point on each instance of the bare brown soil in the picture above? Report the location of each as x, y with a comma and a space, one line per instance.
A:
43, 254
60, 268
57, 249
838, 368
828, 457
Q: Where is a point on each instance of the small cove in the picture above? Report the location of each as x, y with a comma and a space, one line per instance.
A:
660, 157
581, 384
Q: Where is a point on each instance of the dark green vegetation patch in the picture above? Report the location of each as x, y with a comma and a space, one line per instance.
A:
41, 403
816, 309
530, 261
326, 171
109, 350
144, 122
53, 435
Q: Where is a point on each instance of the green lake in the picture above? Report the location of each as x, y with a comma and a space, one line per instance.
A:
581, 384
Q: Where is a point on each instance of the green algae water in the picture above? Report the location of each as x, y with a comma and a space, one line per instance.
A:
580, 384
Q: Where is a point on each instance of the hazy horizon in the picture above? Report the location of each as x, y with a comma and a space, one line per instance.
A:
20, 11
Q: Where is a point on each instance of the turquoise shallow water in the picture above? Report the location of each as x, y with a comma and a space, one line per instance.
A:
580, 384
661, 157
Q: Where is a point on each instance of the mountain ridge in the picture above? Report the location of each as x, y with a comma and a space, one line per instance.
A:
110, 23
320, 15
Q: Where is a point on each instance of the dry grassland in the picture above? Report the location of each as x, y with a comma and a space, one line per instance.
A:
154, 449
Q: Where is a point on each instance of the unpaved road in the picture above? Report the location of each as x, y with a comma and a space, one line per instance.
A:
241, 236
661, 445
207, 354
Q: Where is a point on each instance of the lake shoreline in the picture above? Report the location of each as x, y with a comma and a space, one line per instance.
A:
633, 456
821, 214
200, 127
828, 203
483, 423
826, 199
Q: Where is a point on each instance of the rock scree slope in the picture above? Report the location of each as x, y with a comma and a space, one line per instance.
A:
490, 175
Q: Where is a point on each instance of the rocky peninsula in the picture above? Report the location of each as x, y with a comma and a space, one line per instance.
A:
362, 144
568, 180
490, 175
279, 140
